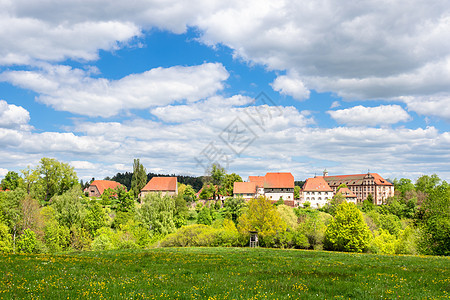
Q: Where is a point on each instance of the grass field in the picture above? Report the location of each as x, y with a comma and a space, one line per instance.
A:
223, 273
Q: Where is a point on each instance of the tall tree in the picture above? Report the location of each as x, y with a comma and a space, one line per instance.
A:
11, 181
30, 176
139, 179
55, 179
347, 231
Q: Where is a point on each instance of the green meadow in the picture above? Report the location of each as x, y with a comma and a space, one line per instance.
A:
222, 273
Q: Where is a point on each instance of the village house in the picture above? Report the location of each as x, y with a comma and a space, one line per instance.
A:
362, 185
163, 185
348, 195
97, 187
316, 191
274, 186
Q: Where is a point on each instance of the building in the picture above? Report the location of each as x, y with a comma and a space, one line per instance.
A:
97, 187
246, 190
163, 185
347, 194
316, 191
274, 186
362, 185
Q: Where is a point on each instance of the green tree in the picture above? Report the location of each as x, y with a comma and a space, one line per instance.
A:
189, 193
27, 241
261, 216
347, 231
139, 179
427, 184
233, 207
204, 216
125, 199
55, 178
6, 245
69, 208
288, 216
181, 211
297, 190
30, 177
95, 218
56, 236
156, 213
228, 183
11, 181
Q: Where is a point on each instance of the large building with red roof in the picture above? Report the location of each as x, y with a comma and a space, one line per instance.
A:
97, 187
274, 186
316, 191
163, 185
362, 185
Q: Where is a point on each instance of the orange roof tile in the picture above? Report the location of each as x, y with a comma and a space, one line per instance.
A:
259, 180
102, 185
279, 180
346, 193
161, 184
244, 188
316, 184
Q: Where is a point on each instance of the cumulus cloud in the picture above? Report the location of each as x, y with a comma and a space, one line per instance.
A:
437, 105
83, 165
74, 90
370, 116
292, 86
3, 172
13, 116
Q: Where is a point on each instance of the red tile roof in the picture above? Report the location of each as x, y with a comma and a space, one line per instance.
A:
278, 180
346, 193
161, 184
102, 185
259, 180
355, 179
244, 188
316, 184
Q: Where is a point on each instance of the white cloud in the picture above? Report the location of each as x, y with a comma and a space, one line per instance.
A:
335, 104
83, 165
3, 172
370, 116
438, 105
12, 116
73, 90
291, 85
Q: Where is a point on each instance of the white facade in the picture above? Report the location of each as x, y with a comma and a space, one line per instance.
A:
317, 199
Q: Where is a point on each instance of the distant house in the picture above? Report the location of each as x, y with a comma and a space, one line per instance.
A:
163, 185
348, 195
316, 191
274, 186
362, 185
246, 190
97, 187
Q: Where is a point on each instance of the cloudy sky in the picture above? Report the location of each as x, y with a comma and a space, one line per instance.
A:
255, 86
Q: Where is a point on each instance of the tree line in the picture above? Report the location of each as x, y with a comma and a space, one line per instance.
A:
45, 210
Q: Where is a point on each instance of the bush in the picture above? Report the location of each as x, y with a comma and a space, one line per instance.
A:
6, 245
26, 243
383, 243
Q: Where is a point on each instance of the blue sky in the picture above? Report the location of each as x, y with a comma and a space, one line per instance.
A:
349, 88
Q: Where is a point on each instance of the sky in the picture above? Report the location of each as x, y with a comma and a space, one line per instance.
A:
255, 86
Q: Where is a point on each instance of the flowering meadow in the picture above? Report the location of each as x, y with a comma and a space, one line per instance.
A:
222, 273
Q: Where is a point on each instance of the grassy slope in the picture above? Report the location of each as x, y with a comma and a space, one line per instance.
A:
223, 273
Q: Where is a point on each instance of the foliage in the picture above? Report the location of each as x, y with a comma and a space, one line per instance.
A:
297, 190
125, 199
347, 230
333, 203
6, 244
95, 218
383, 243
30, 177
55, 178
181, 211
139, 178
189, 194
11, 181
69, 208
107, 195
26, 243
288, 216
208, 192
204, 216
233, 207
56, 236
228, 183
156, 213
261, 216
312, 225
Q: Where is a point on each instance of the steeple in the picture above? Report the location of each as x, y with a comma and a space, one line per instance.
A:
325, 173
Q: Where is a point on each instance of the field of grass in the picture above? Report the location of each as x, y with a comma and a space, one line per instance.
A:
222, 273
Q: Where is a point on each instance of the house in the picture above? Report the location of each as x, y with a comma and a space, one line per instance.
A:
246, 190
362, 185
274, 186
163, 185
348, 195
97, 187
316, 191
